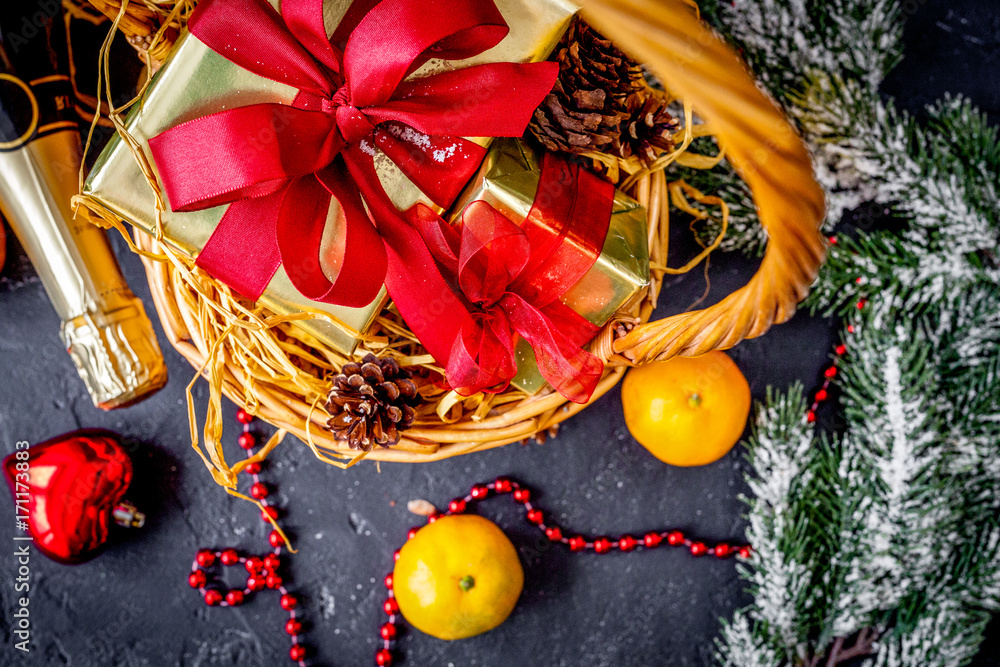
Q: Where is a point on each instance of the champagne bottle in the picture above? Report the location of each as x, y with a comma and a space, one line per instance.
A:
104, 326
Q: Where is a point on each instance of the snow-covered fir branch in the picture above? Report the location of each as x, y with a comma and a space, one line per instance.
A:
939, 179
794, 483
947, 634
887, 544
902, 524
791, 45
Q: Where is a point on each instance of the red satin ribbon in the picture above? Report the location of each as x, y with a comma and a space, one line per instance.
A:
514, 276
279, 167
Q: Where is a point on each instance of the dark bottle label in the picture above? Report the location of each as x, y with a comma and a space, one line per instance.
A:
18, 113
36, 96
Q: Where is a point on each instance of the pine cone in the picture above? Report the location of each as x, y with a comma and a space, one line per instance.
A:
650, 129
371, 403
601, 101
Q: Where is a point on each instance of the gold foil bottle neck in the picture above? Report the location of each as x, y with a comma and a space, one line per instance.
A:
116, 354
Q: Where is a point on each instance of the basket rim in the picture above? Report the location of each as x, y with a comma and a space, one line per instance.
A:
790, 204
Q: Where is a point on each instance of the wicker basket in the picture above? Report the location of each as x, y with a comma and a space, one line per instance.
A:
260, 362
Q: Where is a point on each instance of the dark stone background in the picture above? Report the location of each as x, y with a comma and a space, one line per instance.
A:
131, 606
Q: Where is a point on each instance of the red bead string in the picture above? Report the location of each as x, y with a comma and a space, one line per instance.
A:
601, 545
262, 571
831, 371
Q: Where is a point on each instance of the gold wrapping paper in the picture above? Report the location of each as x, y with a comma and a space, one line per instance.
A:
195, 81
508, 180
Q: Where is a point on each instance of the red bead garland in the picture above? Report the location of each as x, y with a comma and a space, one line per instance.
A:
263, 575
389, 632
601, 545
262, 570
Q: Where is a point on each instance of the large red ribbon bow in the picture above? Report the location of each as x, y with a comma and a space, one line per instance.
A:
514, 276
279, 166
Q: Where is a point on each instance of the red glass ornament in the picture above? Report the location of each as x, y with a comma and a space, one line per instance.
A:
254, 564
293, 626
627, 543
536, 517
602, 545
522, 495
243, 416
297, 652
388, 581
272, 561
675, 538
811, 417
234, 598
850, 328
74, 483
652, 540
745, 552
388, 631
457, 506
275, 539
253, 468
821, 395
830, 372
247, 441
213, 597
395, 556
698, 549
205, 558
554, 533
269, 511
411, 533
722, 551
479, 492
197, 579
841, 350
577, 543
258, 491
433, 517
862, 303
289, 601
273, 581
383, 658
503, 485
390, 606
229, 557
255, 582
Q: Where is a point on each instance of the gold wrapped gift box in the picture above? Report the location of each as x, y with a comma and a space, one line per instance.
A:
195, 81
508, 181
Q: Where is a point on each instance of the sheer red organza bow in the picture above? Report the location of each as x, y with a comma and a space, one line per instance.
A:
279, 167
514, 276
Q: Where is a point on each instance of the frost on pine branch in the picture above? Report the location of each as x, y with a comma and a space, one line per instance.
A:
794, 482
792, 47
890, 531
940, 180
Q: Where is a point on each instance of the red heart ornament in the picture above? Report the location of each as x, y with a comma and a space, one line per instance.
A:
67, 489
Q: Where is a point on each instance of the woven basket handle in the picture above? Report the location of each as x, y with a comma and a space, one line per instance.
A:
698, 67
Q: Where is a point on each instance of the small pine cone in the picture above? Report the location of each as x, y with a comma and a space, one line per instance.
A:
650, 129
371, 403
599, 102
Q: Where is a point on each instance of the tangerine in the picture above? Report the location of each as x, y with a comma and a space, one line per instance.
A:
688, 411
458, 577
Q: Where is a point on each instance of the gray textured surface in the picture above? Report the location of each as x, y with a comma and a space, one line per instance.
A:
131, 606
